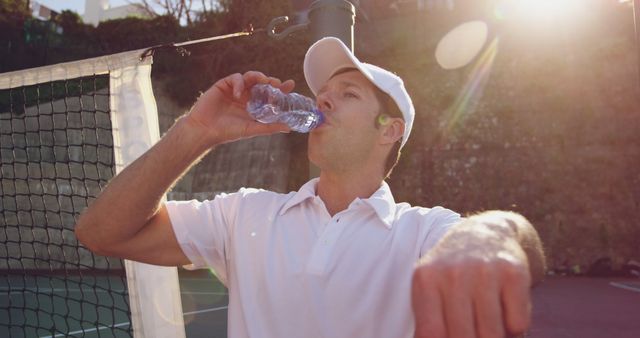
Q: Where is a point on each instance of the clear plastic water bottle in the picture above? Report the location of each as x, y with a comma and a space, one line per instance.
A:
270, 105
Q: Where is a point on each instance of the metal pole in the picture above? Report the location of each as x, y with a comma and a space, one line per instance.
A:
332, 18
636, 21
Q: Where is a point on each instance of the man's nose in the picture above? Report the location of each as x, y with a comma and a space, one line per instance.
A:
324, 102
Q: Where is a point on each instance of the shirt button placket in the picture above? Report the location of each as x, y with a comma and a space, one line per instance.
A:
322, 252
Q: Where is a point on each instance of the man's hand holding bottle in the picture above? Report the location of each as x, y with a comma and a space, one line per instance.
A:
220, 116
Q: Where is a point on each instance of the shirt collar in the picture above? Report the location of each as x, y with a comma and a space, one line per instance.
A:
383, 204
381, 201
308, 190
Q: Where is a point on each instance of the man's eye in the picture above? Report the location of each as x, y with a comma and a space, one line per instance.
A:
350, 95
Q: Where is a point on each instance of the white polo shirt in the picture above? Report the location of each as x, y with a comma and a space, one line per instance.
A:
294, 271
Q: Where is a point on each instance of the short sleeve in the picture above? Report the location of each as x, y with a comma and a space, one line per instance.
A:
202, 230
440, 221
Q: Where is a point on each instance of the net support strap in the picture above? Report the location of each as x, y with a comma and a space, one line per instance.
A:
74, 69
154, 292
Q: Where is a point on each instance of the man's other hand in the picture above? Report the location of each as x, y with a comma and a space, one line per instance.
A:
475, 283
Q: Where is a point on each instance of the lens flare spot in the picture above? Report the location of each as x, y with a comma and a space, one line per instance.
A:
462, 44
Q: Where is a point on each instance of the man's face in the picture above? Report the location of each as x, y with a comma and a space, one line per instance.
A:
348, 136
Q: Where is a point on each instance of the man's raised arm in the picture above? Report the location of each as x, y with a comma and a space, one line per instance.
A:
127, 219
476, 281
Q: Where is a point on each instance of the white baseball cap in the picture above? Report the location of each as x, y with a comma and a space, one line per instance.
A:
328, 55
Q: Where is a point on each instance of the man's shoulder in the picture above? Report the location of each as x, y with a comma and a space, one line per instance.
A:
257, 195
433, 215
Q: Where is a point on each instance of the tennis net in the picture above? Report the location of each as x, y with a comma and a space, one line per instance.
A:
65, 131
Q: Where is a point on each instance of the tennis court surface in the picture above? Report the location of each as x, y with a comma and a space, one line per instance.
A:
580, 307
564, 307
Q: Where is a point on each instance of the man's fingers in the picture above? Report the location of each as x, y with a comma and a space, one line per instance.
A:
516, 300
427, 308
252, 78
239, 84
236, 83
488, 311
459, 312
275, 82
287, 86
476, 300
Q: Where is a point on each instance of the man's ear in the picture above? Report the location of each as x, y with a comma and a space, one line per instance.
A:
392, 129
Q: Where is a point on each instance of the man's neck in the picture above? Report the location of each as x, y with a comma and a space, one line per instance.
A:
338, 191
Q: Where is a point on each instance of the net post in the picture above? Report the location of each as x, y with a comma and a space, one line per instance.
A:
636, 22
331, 18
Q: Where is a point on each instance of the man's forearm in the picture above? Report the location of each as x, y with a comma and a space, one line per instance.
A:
132, 198
509, 225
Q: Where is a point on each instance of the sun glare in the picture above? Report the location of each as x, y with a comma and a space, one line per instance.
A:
540, 10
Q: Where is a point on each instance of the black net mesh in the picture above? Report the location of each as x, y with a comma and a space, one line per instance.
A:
56, 155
